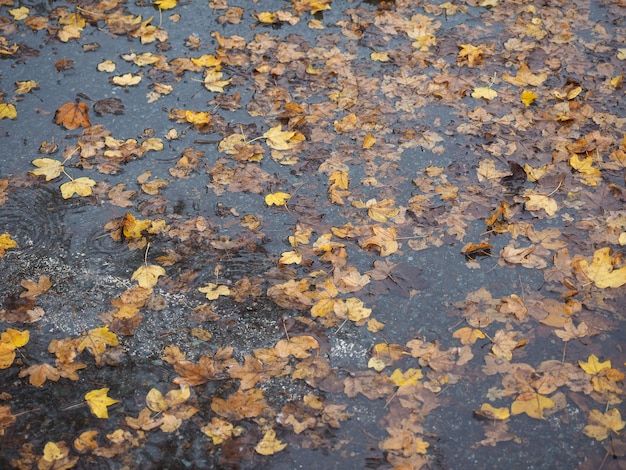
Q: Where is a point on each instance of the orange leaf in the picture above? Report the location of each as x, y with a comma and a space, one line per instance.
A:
73, 115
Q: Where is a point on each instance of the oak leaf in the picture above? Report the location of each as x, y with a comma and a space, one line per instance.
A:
98, 402
73, 115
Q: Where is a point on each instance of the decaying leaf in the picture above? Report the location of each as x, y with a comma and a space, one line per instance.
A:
73, 115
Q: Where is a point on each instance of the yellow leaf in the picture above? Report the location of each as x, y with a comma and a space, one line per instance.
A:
281, 140
132, 228
290, 257
156, 401
6, 242
528, 97
410, 377
47, 167
206, 60
380, 56
52, 452
468, 335
590, 175
356, 309
484, 92
165, 4
98, 402
19, 13
269, 445
213, 81
213, 291
218, 430
493, 414
277, 199
525, 77
7, 110
96, 340
106, 66
339, 179
128, 79
532, 404
147, 275
535, 174
25, 87
535, 202
15, 338
602, 423
601, 271
81, 186
593, 365
198, 118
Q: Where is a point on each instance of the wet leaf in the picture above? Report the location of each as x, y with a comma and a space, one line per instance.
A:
73, 115
277, 199
602, 424
98, 401
532, 404
269, 445
213, 291
148, 275
47, 167
80, 186
601, 270
7, 111
6, 243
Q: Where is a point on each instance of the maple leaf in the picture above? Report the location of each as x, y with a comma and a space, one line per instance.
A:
6, 418
601, 424
525, 77
290, 257
593, 366
165, 4
73, 115
126, 80
490, 413
570, 332
384, 239
535, 202
278, 139
240, 404
589, 174
47, 167
213, 81
410, 377
504, 343
7, 111
249, 374
601, 270
6, 242
218, 430
468, 335
132, 228
35, 289
98, 402
96, 340
487, 93
269, 445
298, 346
277, 199
528, 97
15, 338
213, 291
39, 373
531, 403
81, 186
148, 275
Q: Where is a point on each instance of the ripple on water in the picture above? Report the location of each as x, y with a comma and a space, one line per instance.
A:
34, 219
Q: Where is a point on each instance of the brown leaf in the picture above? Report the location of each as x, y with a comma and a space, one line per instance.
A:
73, 115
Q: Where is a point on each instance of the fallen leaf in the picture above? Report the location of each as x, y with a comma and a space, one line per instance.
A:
277, 199
601, 424
73, 115
213, 291
148, 275
7, 111
98, 402
47, 167
601, 270
81, 186
269, 445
